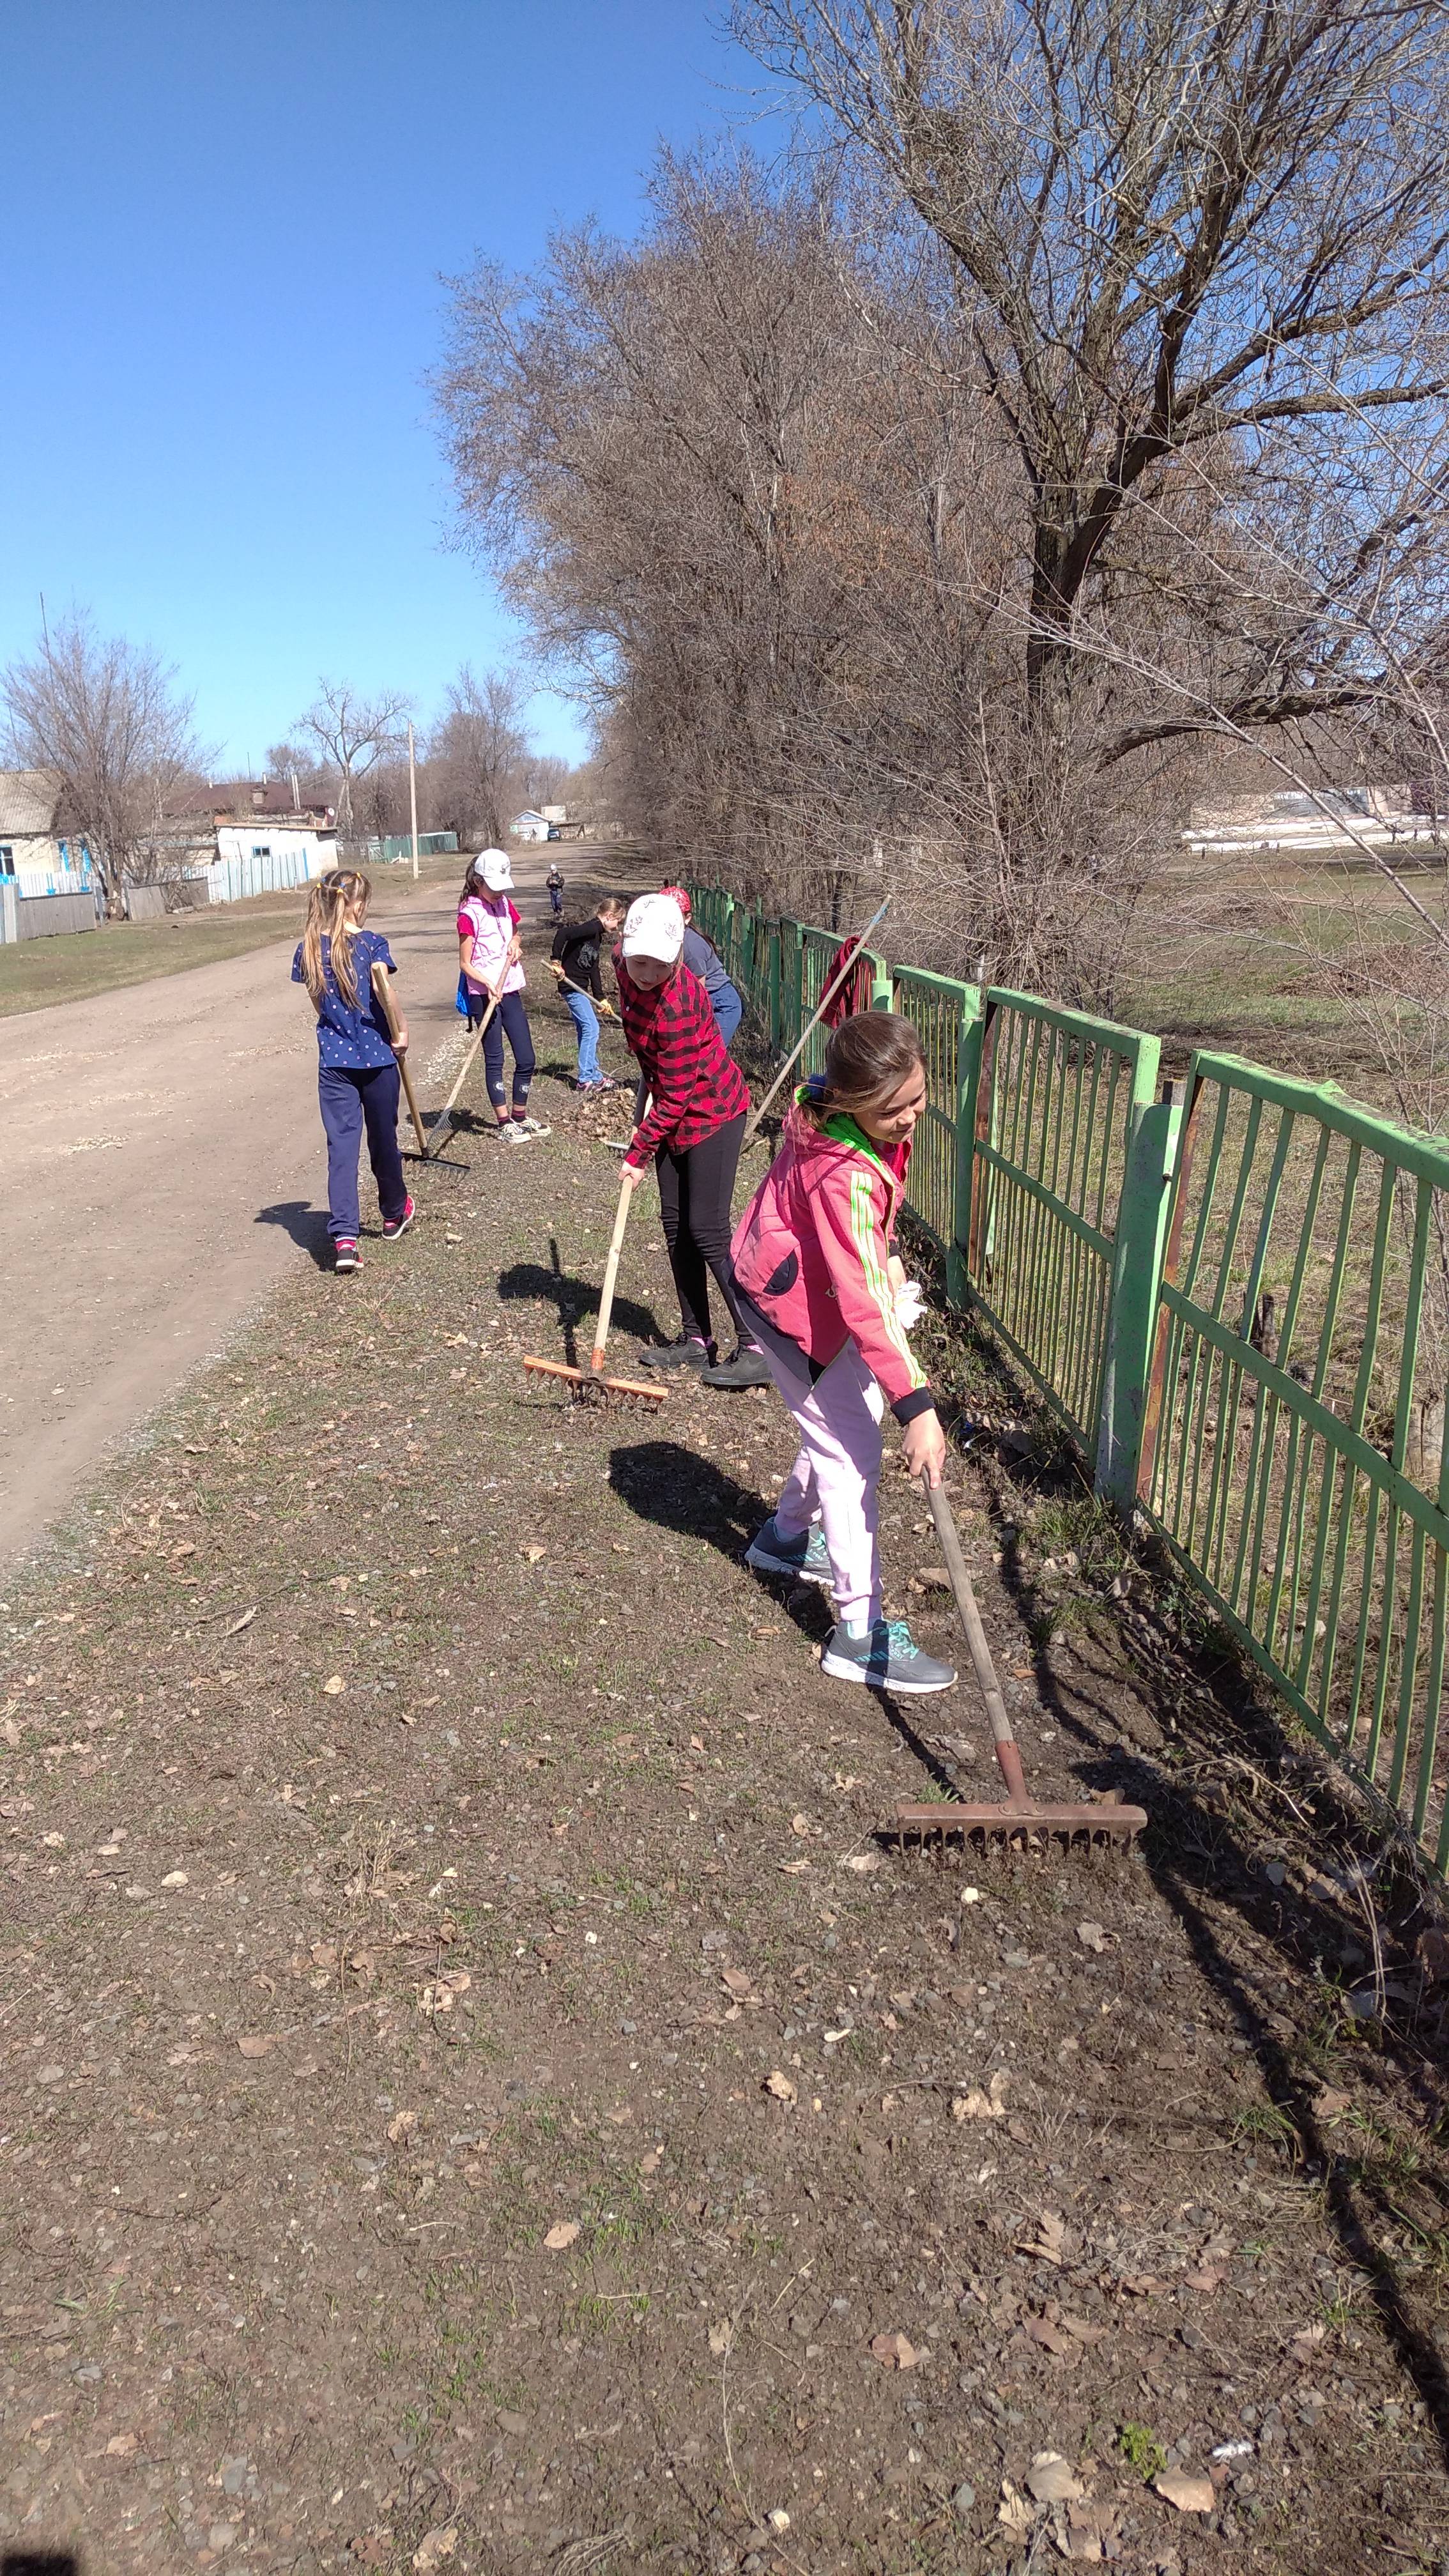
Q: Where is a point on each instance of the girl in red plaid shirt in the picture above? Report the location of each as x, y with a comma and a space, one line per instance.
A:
693, 1127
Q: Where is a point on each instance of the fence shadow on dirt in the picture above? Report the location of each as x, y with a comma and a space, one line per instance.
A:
1205, 1866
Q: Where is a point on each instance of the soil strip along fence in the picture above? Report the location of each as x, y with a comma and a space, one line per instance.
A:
1232, 1294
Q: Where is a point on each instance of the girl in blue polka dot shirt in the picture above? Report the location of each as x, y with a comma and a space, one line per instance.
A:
357, 1075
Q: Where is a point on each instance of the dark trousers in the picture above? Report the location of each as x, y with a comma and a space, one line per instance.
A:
510, 1019
695, 1189
351, 1099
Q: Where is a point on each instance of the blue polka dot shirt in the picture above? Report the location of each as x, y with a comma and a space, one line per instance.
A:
357, 1040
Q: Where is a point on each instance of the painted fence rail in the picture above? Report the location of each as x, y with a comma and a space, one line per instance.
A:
1234, 1294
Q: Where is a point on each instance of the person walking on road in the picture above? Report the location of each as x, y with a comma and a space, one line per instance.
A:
490, 954
555, 884
357, 1059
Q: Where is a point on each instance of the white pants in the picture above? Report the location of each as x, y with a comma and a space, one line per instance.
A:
837, 1474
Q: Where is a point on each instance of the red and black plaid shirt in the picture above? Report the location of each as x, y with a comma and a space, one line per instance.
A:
697, 1085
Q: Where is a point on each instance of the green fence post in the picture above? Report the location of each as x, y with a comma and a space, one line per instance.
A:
968, 1079
1136, 1277
774, 936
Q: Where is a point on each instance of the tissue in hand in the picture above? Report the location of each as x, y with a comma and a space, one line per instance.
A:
910, 1304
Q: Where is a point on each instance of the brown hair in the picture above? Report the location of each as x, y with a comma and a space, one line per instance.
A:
869, 1056
329, 901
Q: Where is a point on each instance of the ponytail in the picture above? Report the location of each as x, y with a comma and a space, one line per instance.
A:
343, 892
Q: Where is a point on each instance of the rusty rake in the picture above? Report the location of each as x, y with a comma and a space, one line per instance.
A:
590, 1385
1018, 1816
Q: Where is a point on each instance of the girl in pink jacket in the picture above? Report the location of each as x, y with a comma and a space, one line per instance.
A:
818, 1278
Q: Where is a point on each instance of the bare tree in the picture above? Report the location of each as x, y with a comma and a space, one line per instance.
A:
350, 734
104, 714
1175, 225
477, 747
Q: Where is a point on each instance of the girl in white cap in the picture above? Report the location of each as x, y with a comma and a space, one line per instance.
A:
692, 1131
490, 953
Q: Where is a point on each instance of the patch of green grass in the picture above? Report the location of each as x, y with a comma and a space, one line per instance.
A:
1143, 2451
39, 972
1266, 2125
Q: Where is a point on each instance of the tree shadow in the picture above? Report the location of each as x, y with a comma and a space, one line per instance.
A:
1260, 1946
573, 1298
306, 1225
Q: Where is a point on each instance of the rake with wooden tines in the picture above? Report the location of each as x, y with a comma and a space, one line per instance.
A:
1019, 1814
590, 1385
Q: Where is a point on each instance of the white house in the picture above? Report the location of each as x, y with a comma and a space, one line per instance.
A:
32, 852
530, 827
302, 847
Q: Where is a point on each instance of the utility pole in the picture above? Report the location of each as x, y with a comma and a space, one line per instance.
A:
413, 799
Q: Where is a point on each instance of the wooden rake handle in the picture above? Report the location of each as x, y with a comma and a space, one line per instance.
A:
611, 1273
981, 1663
382, 987
440, 1123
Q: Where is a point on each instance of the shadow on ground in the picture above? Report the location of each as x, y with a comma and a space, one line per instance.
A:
306, 1225
572, 1298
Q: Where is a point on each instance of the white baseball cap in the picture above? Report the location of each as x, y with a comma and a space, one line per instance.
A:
654, 927
496, 870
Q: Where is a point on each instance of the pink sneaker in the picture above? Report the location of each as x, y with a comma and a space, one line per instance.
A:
393, 1226
345, 1254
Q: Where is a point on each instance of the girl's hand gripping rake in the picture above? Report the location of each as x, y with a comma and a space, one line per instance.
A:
1019, 1814
590, 1385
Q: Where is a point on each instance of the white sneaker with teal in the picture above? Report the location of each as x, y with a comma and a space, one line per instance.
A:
885, 1657
803, 1556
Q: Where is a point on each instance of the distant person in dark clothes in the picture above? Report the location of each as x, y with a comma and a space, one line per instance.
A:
705, 961
693, 1129
555, 884
575, 964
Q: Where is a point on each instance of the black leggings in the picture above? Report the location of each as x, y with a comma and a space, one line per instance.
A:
512, 1018
695, 1189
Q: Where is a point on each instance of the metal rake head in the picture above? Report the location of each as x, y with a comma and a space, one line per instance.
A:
1104, 1821
592, 1387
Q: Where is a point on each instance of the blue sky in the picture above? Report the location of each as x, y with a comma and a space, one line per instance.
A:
225, 222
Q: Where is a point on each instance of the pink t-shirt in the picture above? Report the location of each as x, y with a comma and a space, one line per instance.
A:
490, 923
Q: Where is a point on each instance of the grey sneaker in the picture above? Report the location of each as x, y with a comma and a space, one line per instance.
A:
533, 1127
887, 1659
803, 1556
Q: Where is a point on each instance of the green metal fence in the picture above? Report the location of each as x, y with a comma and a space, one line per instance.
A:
1239, 1308
1293, 1455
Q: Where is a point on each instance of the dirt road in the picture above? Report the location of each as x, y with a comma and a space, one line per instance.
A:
162, 1162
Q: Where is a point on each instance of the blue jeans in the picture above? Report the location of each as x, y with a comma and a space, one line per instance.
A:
351, 1100
728, 1011
586, 1021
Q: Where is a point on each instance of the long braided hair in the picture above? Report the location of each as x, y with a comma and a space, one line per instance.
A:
336, 906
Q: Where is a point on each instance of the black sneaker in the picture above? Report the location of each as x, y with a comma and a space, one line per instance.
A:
747, 1368
670, 1355
345, 1255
